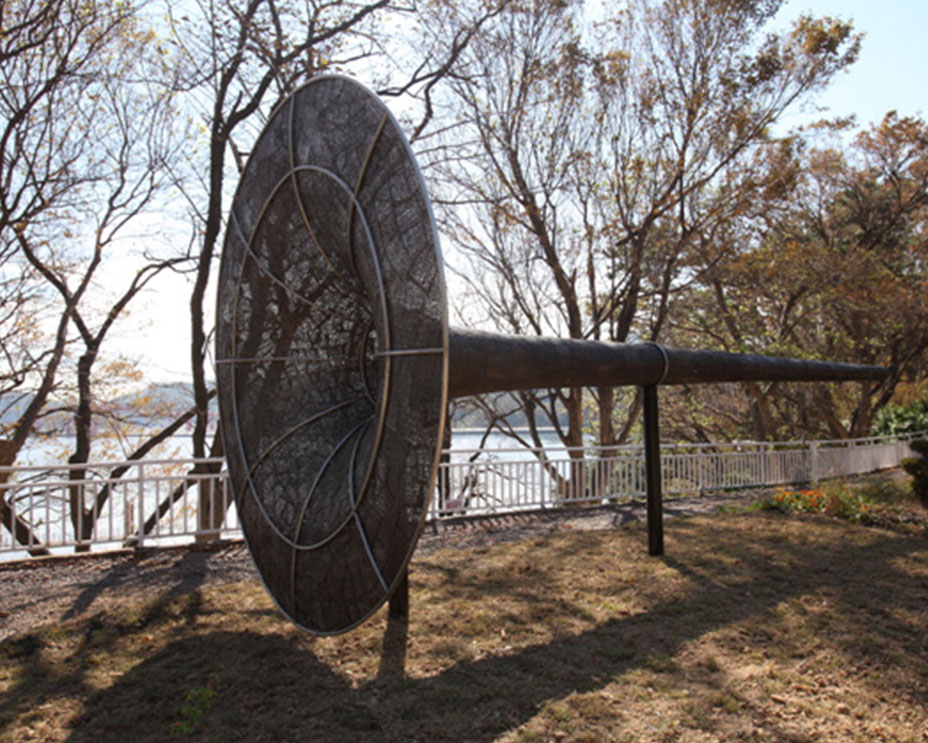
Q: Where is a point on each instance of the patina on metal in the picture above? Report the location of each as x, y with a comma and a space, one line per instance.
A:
333, 355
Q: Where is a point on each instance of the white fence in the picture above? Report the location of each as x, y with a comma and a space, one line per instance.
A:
135, 503
159, 502
483, 482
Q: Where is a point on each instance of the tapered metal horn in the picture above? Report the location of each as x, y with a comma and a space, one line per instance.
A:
335, 361
488, 362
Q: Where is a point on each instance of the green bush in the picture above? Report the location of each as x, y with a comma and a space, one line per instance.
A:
886, 492
895, 419
917, 467
809, 500
920, 447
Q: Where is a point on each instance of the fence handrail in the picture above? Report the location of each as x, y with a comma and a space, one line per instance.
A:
586, 448
489, 484
110, 464
193, 461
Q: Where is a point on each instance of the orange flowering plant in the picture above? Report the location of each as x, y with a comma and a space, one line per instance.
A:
838, 502
811, 500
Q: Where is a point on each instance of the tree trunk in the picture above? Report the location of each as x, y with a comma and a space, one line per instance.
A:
211, 505
81, 518
577, 482
22, 531
761, 417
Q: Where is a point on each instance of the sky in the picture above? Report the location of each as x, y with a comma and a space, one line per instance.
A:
890, 74
156, 325
892, 70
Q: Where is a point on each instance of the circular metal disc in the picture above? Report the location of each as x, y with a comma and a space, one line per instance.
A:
331, 354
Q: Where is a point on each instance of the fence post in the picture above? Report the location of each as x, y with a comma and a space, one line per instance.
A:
701, 459
141, 507
763, 465
813, 461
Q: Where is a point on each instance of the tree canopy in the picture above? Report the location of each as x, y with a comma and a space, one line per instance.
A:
597, 168
614, 175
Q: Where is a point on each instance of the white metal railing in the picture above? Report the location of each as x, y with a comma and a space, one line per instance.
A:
159, 502
104, 505
483, 482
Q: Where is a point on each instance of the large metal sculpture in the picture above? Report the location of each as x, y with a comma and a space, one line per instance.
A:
335, 360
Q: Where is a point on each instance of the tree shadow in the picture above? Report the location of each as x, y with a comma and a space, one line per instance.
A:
393, 651
180, 577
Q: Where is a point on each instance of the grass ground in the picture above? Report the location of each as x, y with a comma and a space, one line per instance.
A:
756, 626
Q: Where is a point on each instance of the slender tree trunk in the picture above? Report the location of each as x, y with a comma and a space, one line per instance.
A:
607, 442
761, 418
82, 519
863, 416
577, 483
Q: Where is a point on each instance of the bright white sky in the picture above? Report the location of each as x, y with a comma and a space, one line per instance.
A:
891, 73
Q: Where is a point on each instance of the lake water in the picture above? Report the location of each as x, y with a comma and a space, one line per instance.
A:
469, 439
55, 452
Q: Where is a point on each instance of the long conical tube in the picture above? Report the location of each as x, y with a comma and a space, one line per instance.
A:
489, 362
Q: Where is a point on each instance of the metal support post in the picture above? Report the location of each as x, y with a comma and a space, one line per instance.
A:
399, 600
652, 470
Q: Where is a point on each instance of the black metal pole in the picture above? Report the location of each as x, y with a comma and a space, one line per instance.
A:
652, 470
399, 599
488, 362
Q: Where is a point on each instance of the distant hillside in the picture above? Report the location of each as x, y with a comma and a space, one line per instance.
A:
151, 407
155, 405
12, 406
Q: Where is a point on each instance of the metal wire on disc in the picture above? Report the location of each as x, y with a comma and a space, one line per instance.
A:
331, 354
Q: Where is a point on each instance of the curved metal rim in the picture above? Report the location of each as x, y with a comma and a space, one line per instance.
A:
443, 402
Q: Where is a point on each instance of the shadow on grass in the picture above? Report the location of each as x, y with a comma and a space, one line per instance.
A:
273, 687
43, 679
184, 577
393, 654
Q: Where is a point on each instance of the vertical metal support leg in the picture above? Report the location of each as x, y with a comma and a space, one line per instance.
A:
652, 469
399, 600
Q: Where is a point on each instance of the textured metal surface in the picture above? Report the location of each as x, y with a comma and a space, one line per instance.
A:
331, 338
488, 362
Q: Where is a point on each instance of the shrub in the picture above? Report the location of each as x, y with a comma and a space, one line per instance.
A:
895, 419
847, 505
838, 502
885, 492
917, 467
811, 500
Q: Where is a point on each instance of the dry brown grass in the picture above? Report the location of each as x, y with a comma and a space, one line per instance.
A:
755, 627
